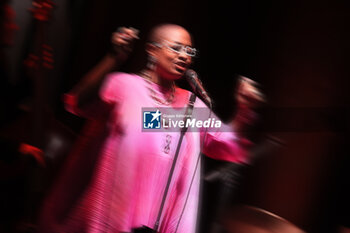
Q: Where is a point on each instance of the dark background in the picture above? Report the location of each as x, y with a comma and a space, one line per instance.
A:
296, 50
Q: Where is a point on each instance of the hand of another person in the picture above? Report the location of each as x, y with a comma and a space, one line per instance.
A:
248, 99
123, 41
247, 94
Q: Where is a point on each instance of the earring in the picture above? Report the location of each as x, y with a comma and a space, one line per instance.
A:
151, 64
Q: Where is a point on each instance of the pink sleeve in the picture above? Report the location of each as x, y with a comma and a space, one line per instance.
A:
112, 90
109, 94
224, 144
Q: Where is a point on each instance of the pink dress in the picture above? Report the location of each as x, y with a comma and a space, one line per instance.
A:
116, 174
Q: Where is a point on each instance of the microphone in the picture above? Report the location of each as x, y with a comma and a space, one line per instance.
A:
197, 87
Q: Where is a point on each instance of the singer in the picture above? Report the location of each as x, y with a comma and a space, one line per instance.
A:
115, 176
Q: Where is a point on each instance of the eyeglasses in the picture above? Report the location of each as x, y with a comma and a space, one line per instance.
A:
177, 48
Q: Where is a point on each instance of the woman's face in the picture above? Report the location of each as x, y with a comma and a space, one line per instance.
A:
172, 54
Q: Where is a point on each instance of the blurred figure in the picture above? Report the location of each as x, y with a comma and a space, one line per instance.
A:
115, 177
18, 160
